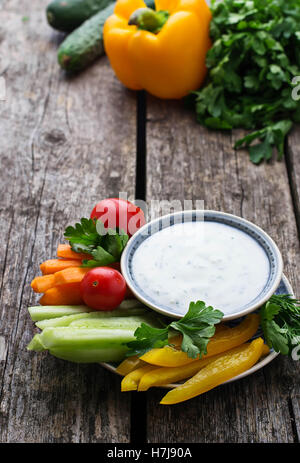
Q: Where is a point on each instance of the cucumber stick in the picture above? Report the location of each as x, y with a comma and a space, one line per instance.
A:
91, 319
87, 337
67, 15
83, 354
88, 344
45, 312
90, 355
85, 44
61, 321
83, 345
69, 337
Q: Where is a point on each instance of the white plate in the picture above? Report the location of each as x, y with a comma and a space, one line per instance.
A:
283, 288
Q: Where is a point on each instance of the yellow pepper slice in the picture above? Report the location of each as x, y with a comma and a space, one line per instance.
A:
266, 350
229, 365
134, 362
223, 339
165, 375
129, 364
130, 382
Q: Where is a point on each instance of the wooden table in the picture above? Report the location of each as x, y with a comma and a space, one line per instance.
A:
67, 143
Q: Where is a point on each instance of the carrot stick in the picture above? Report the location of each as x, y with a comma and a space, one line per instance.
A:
42, 284
55, 265
65, 251
70, 275
62, 295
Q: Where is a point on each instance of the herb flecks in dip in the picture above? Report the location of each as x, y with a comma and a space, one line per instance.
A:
206, 261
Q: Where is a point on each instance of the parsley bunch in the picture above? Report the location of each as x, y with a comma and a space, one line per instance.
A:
89, 236
196, 327
280, 321
251, 65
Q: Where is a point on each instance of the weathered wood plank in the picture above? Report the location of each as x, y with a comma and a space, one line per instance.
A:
186, 161
293, 165
65, 143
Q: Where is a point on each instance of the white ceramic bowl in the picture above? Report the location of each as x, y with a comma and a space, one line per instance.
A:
155, 226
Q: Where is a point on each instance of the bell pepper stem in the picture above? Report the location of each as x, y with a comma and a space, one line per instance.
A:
148, 19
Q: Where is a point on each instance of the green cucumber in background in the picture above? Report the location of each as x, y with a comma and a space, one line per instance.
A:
85, 44
67, 15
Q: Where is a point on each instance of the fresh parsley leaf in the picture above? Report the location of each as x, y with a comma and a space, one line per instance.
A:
104, 245
280, 321
147, 338
274, 135
260, 151
275, 337
114, 245
124, 238
101, 258
197, 327
83, 237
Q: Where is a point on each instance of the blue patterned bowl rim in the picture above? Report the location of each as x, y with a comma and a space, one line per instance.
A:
269, 246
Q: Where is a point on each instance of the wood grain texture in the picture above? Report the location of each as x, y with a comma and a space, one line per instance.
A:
186, 161
65, 143
293, 163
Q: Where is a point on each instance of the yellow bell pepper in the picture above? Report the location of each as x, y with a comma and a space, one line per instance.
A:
223, 339
161, 51
229, 365
165, 375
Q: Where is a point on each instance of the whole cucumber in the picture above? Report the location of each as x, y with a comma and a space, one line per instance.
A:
67, 15
85, 44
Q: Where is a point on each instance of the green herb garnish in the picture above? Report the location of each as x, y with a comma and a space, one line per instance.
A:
280, 321
104, 244
251, 66
197, 327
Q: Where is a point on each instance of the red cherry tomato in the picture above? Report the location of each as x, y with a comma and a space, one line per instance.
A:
103, 288
116, 212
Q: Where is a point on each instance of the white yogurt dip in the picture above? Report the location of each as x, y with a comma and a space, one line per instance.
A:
208, 261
